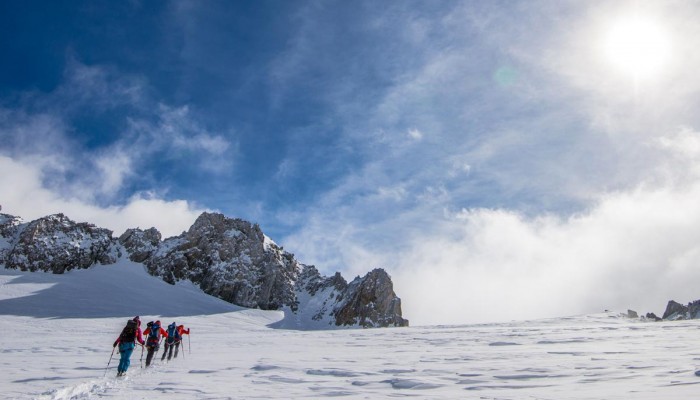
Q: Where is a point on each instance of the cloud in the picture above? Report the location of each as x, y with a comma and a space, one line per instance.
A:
415, 134
151, 134
175, 133
26, 196
109, 180
635, 247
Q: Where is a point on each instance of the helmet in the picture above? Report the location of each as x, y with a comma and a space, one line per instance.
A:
158, 322
136, 318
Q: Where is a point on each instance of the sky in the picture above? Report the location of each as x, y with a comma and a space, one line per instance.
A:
501, 160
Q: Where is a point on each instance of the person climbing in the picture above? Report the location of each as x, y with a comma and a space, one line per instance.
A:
181, 331
172, 338
154, 332
127, 342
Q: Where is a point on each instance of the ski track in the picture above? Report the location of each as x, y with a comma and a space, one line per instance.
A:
236, 355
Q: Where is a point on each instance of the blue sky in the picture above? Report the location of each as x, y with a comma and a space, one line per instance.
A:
461, 145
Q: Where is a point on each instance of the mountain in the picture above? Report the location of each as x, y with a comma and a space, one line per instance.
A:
676, 311
228, 258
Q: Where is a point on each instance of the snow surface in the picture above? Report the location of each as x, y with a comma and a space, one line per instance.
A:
57, 332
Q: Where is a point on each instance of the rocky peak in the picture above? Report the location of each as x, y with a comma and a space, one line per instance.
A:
311, 281
226, 257
215, 225
677, 311
140, 244
57, 244
370, 301
9, 225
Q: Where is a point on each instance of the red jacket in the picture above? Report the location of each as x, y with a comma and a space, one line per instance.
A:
138, 336
181, 330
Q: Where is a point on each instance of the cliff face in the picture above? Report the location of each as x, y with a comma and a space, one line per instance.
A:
676, 311
55, 244
370, 301
228, 258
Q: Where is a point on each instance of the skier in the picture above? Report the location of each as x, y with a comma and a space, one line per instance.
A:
126, 341
173, 339
154, 332
181, 331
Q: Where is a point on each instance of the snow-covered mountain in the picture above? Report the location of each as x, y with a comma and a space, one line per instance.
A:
227, 258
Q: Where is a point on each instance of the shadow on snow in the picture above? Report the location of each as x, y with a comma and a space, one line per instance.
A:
120, 290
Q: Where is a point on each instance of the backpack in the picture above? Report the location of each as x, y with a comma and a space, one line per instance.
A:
128, 334
173, 334
154, 333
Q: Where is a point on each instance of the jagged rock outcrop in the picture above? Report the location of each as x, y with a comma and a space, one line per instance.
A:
228, 258
367, 301
57, 244
140, 244
370, 301
9, 230
676, 311
651, 316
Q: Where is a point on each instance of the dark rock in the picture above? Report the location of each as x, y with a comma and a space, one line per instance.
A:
140, 244
371, 302
230, 259
694, 309
675, 311
653, 317
57, 244
632, 314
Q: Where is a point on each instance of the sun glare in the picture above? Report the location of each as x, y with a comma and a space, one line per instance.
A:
638, 47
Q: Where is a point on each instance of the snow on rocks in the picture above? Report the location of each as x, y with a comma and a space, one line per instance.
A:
225, 257
57, 244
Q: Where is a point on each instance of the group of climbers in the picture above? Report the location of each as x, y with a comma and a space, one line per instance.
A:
132, 334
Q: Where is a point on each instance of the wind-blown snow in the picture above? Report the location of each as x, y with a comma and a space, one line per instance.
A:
58, 331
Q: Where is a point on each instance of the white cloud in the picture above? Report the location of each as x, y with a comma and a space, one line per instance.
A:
25, 196
177, 131
113, 169
396, 193
415, 134
635, 248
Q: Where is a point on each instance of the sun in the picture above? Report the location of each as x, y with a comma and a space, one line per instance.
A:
638, 46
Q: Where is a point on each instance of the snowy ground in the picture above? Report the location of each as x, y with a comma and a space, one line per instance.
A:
57, 332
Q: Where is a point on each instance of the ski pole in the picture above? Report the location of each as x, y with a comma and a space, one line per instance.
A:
141, 354
189, 342
110, 360
183, 349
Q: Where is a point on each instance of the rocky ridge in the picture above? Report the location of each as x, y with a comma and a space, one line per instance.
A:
676, 311
228, 258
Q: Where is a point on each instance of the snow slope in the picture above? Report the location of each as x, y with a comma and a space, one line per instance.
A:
58, 330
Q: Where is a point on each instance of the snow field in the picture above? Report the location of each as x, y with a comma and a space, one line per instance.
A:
236, 355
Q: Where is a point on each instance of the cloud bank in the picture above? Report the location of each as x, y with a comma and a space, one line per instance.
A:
26, 196
565, 189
